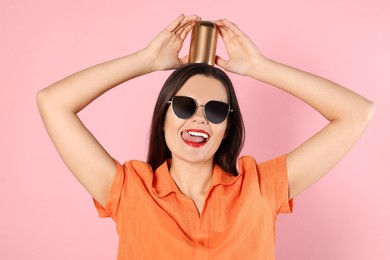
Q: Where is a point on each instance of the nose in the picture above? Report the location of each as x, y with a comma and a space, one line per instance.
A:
199, 115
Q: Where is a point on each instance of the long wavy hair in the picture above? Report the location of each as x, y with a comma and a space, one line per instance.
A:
230, 147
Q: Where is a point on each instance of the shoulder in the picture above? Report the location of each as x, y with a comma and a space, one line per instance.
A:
246, 160
135, 169
247, 167
248, 163
136, 165
272, 179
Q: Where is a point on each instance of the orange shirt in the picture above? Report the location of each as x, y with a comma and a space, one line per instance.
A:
156, 221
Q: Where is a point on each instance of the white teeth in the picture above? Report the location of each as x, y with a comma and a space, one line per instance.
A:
205, 136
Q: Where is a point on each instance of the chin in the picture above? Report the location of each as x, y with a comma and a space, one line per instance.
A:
194, 158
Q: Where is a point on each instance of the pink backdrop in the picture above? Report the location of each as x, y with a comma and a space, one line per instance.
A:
46, 214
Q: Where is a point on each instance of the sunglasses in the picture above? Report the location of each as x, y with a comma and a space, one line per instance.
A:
214, 111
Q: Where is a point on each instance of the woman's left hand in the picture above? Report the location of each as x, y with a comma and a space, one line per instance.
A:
244, 56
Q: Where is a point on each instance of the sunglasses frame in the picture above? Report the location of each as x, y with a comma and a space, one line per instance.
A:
197, 107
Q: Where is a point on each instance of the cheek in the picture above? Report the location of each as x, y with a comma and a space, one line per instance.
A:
171, 127
226, 130
169, 122
221, 131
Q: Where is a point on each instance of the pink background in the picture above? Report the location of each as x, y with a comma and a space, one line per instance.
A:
46, 214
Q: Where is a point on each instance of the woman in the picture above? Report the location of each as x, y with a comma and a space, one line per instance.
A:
191, 202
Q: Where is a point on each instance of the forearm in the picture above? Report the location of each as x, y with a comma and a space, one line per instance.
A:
348, 112
333, 101
75, 92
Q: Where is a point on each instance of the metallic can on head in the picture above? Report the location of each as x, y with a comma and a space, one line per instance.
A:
203, 43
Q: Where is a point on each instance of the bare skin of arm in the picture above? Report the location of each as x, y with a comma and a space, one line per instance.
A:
60, 103
347, 112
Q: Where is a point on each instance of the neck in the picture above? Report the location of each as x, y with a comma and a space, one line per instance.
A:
192, 178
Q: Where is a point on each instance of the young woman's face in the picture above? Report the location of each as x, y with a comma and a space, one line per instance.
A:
196, 139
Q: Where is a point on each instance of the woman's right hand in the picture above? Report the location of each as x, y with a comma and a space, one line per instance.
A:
164, 49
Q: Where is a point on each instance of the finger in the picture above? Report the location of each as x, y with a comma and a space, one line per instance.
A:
175, 23
183, 27
221, 62
184, 60
226, 35
224, 28
186, 30
222, 31
230, 27
219, 22
191, 18
187, 20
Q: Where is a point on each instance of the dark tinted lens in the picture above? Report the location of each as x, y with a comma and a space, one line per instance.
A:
216, 111
184, 107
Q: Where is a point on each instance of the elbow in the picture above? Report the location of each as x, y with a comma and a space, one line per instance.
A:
366, 114
42, 100
359, 115
362, 117
47, 102
360, 112
368, 111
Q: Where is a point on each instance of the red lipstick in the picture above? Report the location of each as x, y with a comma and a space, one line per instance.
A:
195, 137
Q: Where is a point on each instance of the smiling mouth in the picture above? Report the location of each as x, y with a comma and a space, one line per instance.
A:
196, 138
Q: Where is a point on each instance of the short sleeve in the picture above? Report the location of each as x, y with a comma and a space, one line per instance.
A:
112, 205
274, 184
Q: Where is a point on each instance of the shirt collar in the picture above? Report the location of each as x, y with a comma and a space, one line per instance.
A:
163, 183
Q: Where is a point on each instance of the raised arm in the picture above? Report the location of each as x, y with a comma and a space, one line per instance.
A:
60, 102
347, 112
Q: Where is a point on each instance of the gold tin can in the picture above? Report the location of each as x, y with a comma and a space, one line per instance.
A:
203, 43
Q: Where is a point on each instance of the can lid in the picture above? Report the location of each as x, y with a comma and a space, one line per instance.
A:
206, 23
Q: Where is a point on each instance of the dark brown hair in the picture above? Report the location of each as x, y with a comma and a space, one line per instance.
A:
228, 152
